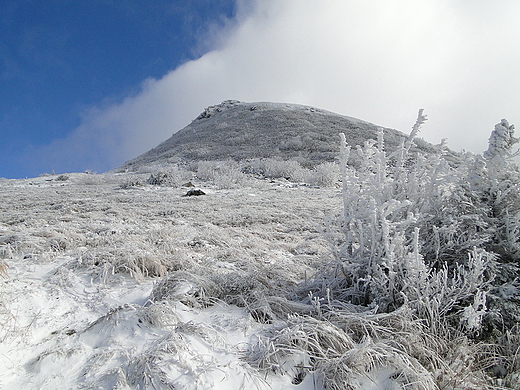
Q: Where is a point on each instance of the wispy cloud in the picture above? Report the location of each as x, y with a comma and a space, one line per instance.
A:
376, 60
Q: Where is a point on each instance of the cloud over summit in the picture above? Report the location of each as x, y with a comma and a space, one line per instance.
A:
376, 60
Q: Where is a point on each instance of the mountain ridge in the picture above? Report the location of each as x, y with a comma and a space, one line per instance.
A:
240, 131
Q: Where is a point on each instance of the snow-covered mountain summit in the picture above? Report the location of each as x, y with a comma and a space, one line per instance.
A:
238, 130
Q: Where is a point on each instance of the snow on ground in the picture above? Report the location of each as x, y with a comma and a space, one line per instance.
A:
103, 290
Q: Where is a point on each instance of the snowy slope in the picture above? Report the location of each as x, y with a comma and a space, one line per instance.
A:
80, 303
106, 285
239, 130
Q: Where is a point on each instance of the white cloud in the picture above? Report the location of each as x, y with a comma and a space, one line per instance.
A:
378, 60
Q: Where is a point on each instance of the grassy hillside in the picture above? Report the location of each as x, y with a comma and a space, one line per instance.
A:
239, 131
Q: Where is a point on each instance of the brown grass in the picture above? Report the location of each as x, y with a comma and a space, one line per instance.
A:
3, 268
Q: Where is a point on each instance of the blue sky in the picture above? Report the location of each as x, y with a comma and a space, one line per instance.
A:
91, 84
60, 57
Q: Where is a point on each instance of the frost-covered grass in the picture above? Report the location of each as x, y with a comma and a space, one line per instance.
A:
111, 287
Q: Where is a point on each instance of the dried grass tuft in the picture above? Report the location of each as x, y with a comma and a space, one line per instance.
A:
3, 268
188, 288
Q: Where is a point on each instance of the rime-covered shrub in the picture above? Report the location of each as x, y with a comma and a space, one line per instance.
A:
209, 170
497, 179
224, 174
280, 169
130, 183
158, 179
172, 177
325, 174
424, 266
501, 143
416, 235
89, 178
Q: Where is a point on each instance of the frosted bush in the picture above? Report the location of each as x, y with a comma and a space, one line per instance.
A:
386, 222
294, 143
158, 179
224, 174
232, 177
130, 183
90, 179
501, 143
302, 175
207, 170
419, 239
276, 169
173, 177
280, 169
325, 174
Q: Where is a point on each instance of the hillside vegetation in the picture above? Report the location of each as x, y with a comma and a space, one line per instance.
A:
239, 131
387, 266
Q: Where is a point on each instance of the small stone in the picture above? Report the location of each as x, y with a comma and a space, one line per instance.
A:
195, 192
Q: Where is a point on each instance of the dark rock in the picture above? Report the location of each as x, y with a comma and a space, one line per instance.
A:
195, 192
